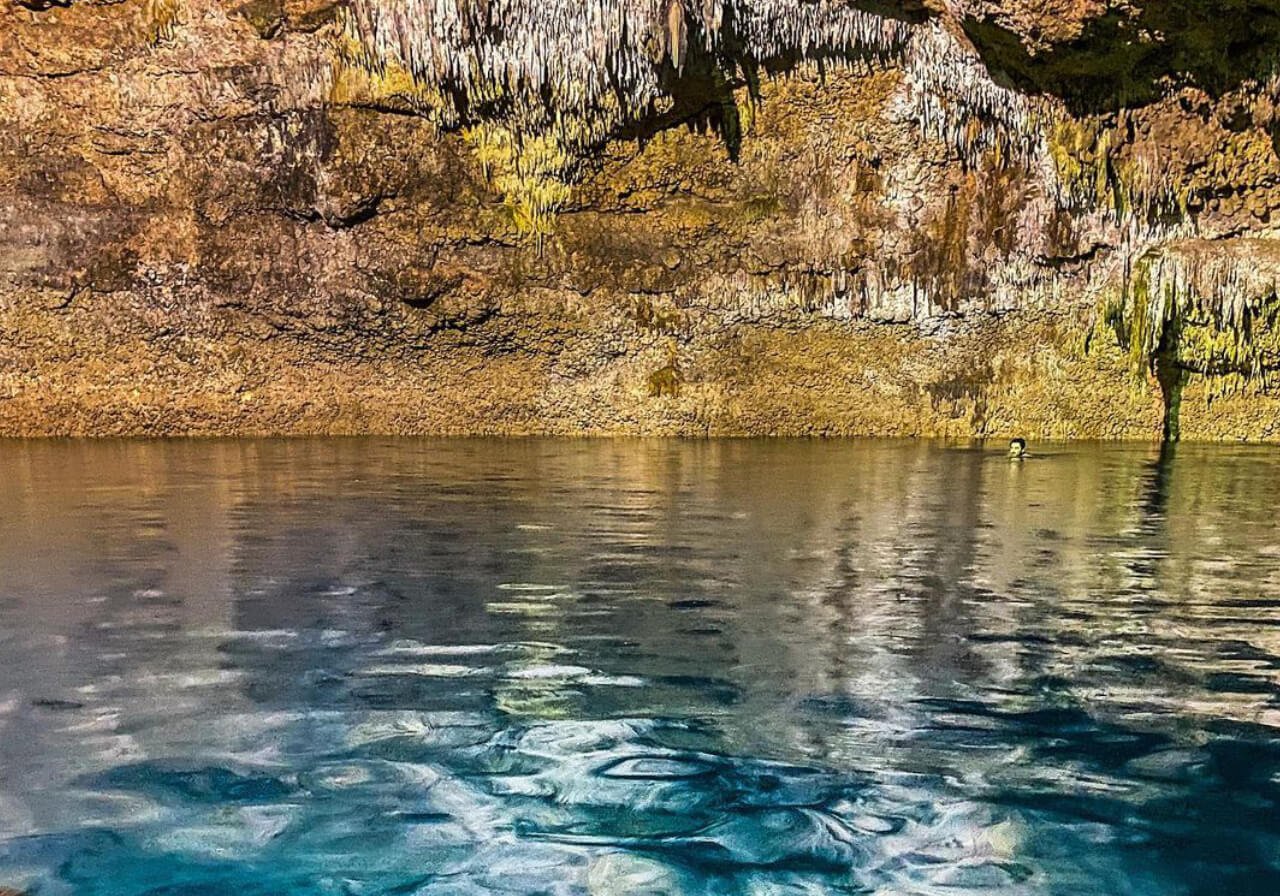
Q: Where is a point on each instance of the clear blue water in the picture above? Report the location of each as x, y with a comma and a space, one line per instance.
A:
464, 667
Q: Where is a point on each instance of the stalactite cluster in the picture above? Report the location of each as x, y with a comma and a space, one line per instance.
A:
576, 71
537, 86
957, 102
598, 61
770, 29
582, 69
1211, 309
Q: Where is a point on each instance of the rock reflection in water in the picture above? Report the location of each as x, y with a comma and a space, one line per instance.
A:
371, 666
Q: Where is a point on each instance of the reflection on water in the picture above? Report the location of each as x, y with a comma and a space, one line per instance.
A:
463, 667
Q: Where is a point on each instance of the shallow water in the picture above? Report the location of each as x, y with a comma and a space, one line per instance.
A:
462, 667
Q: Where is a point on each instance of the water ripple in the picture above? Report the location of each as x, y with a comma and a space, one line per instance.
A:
402, 667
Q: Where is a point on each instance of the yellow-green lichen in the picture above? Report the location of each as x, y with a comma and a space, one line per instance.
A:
1097, 167
532, 174
359, 77
665, 382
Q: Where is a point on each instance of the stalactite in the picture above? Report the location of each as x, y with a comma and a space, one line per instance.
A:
1211, 308
677, 35
575, 71
536, 61
558, 78
957, 102
160, 19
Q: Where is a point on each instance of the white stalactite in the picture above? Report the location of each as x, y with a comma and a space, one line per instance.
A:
592, 61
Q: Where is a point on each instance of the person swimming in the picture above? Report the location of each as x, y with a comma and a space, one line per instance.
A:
1017, 449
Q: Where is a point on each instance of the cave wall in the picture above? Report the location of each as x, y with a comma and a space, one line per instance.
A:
213, 221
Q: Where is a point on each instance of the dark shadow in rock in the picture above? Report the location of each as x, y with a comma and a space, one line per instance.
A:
1133, 58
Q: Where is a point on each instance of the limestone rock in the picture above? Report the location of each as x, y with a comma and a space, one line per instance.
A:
893, 218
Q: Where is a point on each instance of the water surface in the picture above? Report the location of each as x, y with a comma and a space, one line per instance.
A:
526, 667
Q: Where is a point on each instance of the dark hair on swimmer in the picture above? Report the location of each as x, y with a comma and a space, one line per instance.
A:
1021, 443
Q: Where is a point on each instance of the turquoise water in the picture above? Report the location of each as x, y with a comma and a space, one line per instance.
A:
465, 667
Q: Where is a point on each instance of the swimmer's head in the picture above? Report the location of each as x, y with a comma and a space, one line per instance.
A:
1017, 447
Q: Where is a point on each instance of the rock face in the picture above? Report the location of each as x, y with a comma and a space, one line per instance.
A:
945, 217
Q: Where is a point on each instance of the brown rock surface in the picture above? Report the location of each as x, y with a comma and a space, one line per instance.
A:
205, 230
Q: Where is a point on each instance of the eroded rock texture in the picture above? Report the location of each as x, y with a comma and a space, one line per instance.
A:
947, 217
